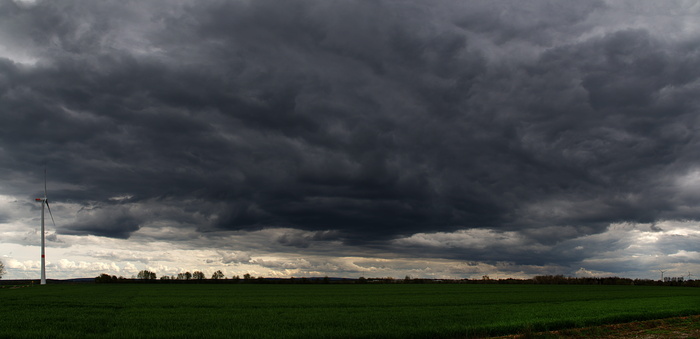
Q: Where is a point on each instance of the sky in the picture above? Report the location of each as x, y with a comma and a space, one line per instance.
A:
349, 138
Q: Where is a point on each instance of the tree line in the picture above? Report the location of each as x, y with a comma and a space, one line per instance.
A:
562, 280
148, 276
219, 277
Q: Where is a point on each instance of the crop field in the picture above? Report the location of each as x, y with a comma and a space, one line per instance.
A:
326, 311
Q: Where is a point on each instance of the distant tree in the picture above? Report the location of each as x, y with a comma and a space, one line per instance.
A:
188, 275
106, 278
103, 278
235, 278
2, 269
146, 275
247, 277
218, 275
165, 277
197, 275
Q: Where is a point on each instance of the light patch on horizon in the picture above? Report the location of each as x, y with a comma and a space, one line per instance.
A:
171, 258
470, 239
88, 260
585, 273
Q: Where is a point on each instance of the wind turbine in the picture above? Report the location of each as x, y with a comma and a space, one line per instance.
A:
44, 201
662, 275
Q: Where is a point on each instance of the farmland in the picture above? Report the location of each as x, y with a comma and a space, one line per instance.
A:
302, 311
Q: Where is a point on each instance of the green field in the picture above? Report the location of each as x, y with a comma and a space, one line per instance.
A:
326, 311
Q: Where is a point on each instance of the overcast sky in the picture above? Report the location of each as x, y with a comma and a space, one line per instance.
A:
437, 139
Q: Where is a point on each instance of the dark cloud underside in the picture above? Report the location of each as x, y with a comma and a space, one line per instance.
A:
373, 118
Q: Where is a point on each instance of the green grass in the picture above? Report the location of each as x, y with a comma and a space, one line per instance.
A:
326, 311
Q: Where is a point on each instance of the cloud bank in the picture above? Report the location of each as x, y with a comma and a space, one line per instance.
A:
489, 131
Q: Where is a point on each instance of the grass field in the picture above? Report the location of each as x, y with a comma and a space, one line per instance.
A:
327, 311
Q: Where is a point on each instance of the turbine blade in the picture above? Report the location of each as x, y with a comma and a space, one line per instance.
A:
44, 182
49, 207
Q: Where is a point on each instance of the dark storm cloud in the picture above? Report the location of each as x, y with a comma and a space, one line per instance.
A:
374, 119
117, 223
303, 239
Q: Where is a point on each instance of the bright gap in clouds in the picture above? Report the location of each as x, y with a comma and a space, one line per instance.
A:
626, 249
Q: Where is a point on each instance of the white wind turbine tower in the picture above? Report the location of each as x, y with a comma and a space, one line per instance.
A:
44, 201
662, 275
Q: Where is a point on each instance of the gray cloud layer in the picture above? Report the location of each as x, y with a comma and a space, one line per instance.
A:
373, 119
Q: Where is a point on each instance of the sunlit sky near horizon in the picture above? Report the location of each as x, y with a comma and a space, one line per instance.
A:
375, 138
